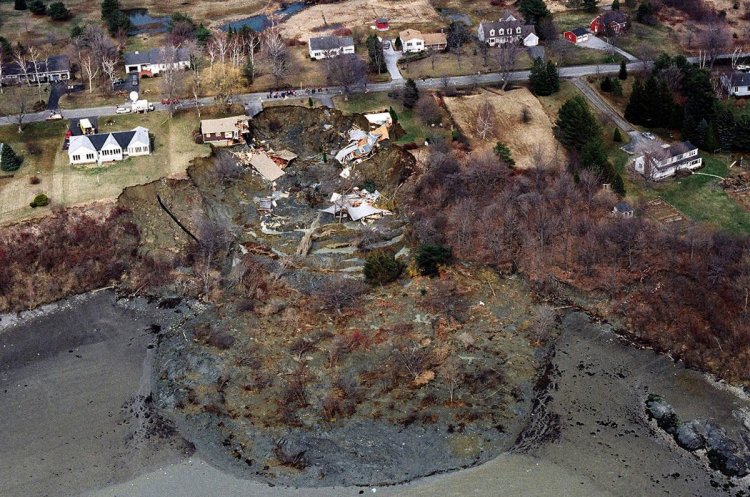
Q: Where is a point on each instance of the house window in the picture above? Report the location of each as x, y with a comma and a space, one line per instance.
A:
228, 135
89, 156
492, 32
736, 89
502, 31
518, 30
76, 157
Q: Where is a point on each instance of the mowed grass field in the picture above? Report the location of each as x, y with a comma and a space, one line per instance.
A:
173, 149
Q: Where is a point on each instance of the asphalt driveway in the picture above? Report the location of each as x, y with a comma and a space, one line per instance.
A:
391, 61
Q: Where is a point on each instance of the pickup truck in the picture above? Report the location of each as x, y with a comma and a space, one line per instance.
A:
122, 110
54, 116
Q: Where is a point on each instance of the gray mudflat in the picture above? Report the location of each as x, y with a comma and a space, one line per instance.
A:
73, 388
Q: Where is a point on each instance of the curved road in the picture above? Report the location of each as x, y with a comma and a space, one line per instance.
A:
253, 100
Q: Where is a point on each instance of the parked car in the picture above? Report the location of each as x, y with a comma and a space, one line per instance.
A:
387, 45
123, 110
54, 116
170, 101
75, 87
648, 135
118, 81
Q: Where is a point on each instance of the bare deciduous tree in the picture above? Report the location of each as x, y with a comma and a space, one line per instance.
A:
347, 71
171, 78
485, 120
277, 55
109, 68
506, 57
19, 57
89, 67
713, 42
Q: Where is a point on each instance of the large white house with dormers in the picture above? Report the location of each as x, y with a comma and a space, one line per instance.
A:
508, 29
108, 147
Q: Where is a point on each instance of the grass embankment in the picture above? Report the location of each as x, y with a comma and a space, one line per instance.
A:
416, 130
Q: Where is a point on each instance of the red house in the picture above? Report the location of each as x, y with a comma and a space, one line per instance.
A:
381, 24
616, 20
576, 36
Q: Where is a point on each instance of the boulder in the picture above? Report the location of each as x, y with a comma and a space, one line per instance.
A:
724, 454
689, 435
663, 413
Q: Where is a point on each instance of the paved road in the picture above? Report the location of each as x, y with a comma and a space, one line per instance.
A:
431, 83
603, 106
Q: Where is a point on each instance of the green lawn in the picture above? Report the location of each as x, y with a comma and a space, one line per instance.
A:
657, 39
416, 130
571, 19
701, 198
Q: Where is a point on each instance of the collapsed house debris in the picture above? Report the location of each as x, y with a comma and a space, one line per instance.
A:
357, 205
261, 162
361, 147
282, 158
379, 118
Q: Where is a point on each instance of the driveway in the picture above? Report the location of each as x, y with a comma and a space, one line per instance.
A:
599, 44
391, 61
603, 106
56, 91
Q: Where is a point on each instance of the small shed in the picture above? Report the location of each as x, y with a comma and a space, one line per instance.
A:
382, 24
577, 35
623, 209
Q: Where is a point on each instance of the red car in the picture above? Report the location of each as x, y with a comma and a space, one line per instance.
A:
170, 101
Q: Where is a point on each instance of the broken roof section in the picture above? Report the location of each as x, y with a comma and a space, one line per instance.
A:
266, 166
379, 118
357, 205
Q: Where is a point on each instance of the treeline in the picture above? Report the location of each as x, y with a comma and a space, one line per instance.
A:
685, 294
676, 94
67, 253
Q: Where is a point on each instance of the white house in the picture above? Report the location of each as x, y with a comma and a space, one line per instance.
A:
108, 147
508, 29
156, 60
737, 84
664, 161
324, 47
411, 41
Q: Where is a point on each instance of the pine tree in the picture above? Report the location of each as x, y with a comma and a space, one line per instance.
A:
590, 5
623, 75
616, 88
617, 136
248, 71
538, 79
606, 85
616, 5
394, 115
533, 11
57, 11
576, 125
553, 77
411, 93
634, 109
109, 8
398, 43
711, 143
504, 153
593, 155
375, 53
20, 5
726, 128
618, 185
9, 160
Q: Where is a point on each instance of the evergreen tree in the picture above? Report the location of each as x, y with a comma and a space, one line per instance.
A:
617, 136
375, 53
634, 111
618, 185
590, 5
623, 74
576, 125
534, 11
615, 4
20, 5
411, 93
310, 102
398, 43
202, 34
631, 4
76, 31
553, 77
711, 142
57, 11
504, 153
538, 79
9, 160
109, 8
248, 71
37, 7
593, 155
616, 88
606, 85
741, 139
726, 129
394, 116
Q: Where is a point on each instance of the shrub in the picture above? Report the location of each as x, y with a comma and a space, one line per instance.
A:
57, 11
20, 5
37, 7
34, 180
40, 200
617, 136
429, 257
606, 85
33, 148
381, 268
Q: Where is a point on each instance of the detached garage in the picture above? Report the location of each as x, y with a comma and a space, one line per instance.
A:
577, 35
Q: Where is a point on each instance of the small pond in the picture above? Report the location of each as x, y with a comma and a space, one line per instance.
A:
261, 21
142, 22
